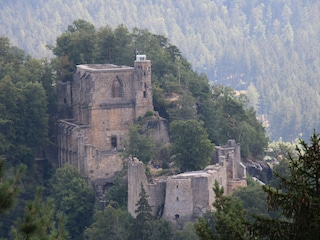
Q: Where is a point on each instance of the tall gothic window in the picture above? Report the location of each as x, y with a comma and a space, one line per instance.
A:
117, 89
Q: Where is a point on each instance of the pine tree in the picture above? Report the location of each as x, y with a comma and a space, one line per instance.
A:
298, 197
38, 222
8, 188
144, 218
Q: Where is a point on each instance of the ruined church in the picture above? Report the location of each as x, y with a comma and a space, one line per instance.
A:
100, 104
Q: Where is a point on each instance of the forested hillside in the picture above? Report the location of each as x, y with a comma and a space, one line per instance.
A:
28, 113
269, 48
28, 110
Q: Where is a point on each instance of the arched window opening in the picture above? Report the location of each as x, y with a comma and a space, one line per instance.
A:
117, 89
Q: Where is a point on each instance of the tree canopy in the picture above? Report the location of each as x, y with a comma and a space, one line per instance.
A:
228, 221
110, 224
139, 144
191, 147
297, 197
270, 46
74, 198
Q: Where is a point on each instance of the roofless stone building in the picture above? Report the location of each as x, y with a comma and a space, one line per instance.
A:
100, 104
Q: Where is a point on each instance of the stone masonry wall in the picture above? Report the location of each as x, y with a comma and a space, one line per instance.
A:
187, 196
106, 100
136, 177
179, 200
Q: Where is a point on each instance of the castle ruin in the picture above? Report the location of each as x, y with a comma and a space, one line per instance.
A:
99, 105
185, 197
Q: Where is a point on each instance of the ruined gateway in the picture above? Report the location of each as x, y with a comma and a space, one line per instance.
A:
97, 109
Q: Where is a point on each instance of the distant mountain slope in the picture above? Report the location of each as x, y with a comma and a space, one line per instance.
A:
270, 48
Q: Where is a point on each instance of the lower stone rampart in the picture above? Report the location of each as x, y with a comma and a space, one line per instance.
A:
187, 196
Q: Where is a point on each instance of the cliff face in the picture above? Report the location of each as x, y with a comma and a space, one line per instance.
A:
160, 130
259, 169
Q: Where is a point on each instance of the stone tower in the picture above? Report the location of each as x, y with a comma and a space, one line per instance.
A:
142, 67
106, 99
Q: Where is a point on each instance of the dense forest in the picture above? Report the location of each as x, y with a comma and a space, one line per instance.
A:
267, 48
29, 111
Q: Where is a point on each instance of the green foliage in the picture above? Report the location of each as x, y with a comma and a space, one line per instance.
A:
227, 47
160, 229
8, 188
143, 220
203, 230
225, 117
139, 145
188, 232
253, 198
190, 145
279, 149
297, 197
117, 195
179, 93
229, 219
74, 198
38, 222
281, 169
111, 223
253, 97
230, 216
75, 46
23, 104
183, 109
28, 184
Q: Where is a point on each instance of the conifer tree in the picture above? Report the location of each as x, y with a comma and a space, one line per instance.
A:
144, 218
38, 222
8, 188
228, 221
297, 196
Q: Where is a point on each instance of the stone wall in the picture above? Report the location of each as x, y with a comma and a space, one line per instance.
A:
136, 177
106, 99
187, 196
179, 199
229, 154
190, 194
64, 100
157, 193
71, 145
